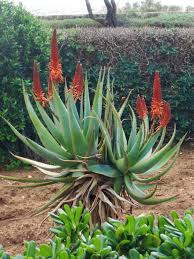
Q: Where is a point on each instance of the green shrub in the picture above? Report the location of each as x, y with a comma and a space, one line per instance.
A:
134, 55
70, 23
168, 20
22, 40
141, 237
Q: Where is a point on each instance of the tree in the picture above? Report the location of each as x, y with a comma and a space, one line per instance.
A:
111, 16
189, 8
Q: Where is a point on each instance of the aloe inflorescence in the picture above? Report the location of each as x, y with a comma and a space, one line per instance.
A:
86, 148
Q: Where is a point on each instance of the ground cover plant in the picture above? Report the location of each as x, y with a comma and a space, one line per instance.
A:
87, 147
138, 237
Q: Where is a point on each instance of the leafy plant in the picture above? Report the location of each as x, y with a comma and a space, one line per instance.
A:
22, 40
141, 237
88, 148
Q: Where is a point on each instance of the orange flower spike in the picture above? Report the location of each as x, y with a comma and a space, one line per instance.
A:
55, 63
37, 87
36, 82
144, 108
77, 83
50, 89
141, 108
156, 105
166, 116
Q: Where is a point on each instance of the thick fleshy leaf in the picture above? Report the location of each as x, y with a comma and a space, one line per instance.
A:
166, 158
54, 129
146, 164
61, 174
62, 114
134, 152
133, 133
106, 137
87, 107
137, 192
148, 145
45, 137
38, 149
145, 201
36, 163
79, 143
93, 127
124, 105
158, 176
105, 170
161, 140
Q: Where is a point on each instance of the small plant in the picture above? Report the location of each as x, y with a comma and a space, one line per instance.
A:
137, 237
87, 148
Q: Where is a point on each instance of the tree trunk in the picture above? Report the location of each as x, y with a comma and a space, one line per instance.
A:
111, 16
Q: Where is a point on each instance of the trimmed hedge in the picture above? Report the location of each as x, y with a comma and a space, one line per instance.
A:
70, 23
134, 55
164, 20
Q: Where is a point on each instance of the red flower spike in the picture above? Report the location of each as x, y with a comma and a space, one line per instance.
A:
166, 116
50, 89
77, 82
37, 87
141, 107
144, 107
156, 105
55, 63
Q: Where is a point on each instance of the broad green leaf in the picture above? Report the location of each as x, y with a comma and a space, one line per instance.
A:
133, 133
54, 129
87, 107
148, 145
36, 163
146, 164
105, 170
79, 143
45, 137
62, 114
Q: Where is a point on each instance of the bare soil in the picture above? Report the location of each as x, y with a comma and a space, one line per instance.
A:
16, 205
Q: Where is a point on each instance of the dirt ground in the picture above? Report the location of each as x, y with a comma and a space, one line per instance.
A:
16, 205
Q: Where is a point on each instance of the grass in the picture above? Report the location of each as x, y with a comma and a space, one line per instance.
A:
168, 20
70, 23
162, 20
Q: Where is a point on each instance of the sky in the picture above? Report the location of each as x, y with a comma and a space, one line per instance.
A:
45, 7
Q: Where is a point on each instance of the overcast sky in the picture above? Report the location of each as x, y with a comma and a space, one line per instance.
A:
78, 6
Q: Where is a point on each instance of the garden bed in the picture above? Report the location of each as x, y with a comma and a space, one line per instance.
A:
16, 205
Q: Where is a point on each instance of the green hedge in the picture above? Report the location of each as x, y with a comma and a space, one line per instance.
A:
134, 55
168, 20
70, 23
142, 237
22, 39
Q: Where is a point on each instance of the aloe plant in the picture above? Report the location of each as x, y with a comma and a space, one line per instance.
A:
87, 149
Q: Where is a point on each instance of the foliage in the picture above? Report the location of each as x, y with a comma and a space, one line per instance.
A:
134, 55
22, 40
160, 20
136, 237
70, 23
87, 148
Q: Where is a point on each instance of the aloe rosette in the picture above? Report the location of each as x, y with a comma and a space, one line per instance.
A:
87, 149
